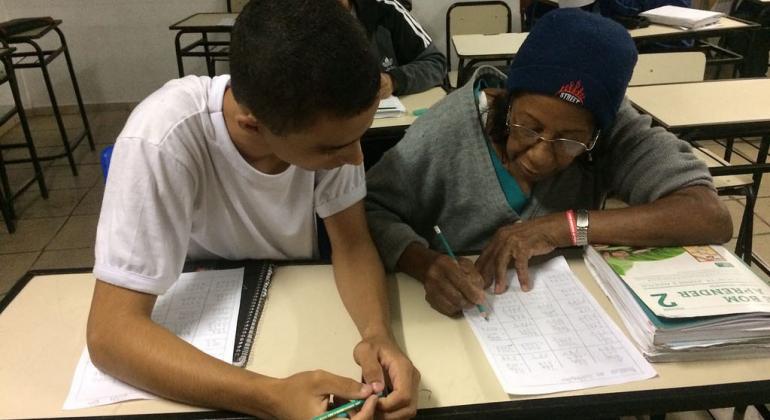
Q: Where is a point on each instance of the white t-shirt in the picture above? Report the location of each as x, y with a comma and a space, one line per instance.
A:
177, 188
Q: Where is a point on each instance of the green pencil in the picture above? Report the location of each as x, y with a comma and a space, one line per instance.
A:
339, 410
343, 408
443, 240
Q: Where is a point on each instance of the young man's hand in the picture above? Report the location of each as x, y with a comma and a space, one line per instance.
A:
453, 285
383, 363
306, 394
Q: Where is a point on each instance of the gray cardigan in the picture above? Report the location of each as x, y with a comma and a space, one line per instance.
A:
441, 173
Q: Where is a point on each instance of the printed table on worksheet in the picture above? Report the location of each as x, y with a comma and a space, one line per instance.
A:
555, 337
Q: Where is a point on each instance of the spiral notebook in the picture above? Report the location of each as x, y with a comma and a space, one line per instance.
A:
256, 281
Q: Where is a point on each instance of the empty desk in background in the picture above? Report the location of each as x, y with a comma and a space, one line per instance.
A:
414, 102
203, 24
473, 49
43, 330
384, 133
713, 110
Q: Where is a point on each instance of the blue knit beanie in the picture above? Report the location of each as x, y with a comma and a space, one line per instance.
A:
578, 56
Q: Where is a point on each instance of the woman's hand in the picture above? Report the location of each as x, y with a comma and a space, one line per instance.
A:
516, 244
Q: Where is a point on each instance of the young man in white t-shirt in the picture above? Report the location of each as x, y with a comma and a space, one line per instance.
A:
237, 167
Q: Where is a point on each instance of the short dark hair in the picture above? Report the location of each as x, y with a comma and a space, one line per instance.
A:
293, 61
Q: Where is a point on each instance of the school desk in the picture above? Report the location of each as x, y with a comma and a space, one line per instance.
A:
714, 109
475, 48
472, 49
203, 24
304, 326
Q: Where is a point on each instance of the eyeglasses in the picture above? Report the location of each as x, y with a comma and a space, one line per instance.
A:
567, 147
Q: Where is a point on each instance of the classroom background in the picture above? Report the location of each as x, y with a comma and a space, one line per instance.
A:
121, 52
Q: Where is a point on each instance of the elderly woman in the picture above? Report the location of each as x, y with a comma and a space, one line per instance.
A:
514, 167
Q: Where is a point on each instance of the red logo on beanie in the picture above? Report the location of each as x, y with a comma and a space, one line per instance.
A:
572, 92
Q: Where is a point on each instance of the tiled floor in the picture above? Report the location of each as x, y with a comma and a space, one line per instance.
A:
59, 232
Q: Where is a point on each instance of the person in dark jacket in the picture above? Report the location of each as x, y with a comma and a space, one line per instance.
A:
623, 11
619, 9
409, 59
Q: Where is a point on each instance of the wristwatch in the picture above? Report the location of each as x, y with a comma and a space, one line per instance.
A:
581, 223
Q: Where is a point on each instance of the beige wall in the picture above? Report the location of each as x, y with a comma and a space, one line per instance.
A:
123, 50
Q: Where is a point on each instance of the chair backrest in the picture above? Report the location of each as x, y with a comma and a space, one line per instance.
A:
235, 6
673, 67
478, 17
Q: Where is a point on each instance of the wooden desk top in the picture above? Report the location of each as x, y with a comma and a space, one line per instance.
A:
206, 21
655, 30
720, 102
481, 45
411, 102
43, 331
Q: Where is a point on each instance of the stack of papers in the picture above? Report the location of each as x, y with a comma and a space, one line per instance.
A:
390, 107
685, 303
682, 16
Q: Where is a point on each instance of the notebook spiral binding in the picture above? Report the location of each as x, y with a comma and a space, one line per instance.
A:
247, 334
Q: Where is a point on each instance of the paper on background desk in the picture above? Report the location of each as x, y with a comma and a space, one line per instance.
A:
201, 308
390, 107
555, 337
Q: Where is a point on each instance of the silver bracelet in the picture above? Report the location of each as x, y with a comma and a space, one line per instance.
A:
581, 219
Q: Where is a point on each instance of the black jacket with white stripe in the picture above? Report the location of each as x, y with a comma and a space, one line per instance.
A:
405, 49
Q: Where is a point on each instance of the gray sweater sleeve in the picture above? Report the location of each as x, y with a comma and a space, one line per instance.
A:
424, 72
392, 202
643, 163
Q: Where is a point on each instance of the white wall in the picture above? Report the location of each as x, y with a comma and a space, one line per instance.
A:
123, 50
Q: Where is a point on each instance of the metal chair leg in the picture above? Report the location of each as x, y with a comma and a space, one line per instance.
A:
744, 243
75, 86
764, 145
27, 133
729, 148
6, 198
55, 106
7, 215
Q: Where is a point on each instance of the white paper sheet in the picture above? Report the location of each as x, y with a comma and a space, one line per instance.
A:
201, 308
390, 107
554, 337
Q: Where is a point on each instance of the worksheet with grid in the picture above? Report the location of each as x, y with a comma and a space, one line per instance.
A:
555, 337
201, 308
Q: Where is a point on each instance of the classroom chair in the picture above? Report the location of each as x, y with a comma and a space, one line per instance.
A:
480, 17
27, 33
7, 75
